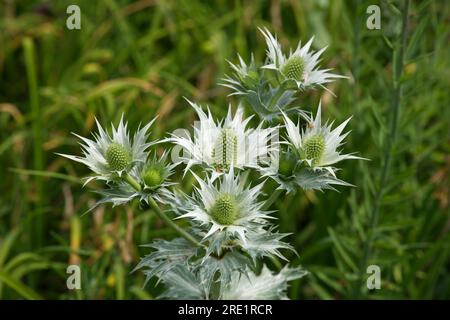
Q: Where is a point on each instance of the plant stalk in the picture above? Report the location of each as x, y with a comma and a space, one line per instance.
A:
273, 197
389, 146
276, 97
132, 182
172, 224
160, 213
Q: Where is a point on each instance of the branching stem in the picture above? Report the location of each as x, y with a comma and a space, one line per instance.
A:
273, 197
161, 214
389, 146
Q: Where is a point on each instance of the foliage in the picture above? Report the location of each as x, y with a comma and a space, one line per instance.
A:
141, 58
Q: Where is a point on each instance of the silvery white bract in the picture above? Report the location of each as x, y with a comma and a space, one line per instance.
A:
153, 177
300, 66
225, 144
227, 205
291, 175
188, 281
264, 286
318, 145
176, 258
111, 156
166, 256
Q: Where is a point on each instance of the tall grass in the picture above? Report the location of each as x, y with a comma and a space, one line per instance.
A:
36, 219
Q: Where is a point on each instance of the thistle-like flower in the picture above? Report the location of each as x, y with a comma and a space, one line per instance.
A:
248, 83
246, 77
318, 145
309, 155
301, 66
227, 206
225, 144
153, 179
109, 157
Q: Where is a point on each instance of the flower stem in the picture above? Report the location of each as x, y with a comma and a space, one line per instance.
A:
276, 97
160, 213
274, 196
266, 206
276, 262
172, 224
132, 182
399, 54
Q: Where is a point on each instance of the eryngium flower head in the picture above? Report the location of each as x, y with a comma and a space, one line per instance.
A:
318, 145
226, 205
245, 77
225, 144
300, 66
310, 153
155, 173
291, 173
110, 156
153, 177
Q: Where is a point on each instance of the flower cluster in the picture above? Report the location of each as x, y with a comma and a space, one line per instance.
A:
230, 225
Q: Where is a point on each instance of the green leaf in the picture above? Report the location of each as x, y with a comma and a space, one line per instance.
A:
341, 250
6, 245
23, 290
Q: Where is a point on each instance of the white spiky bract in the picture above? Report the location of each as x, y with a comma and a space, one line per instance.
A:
332, 140
263, 286
185, 282
310, 73
248, 209
95, 151
250, 144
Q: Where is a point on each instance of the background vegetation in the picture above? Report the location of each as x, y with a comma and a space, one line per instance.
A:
140, 58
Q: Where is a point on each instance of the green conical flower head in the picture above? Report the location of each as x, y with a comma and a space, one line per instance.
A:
153, 175
225, 149
314, 147
118, 157
224, 210
294, 68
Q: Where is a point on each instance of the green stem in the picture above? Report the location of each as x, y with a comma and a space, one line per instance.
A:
273, 197
276, 97
38, 222
172, 224
160, 213
132, 182
390, 143
276, 262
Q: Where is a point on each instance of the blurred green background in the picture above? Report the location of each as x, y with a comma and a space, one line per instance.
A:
142, 57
